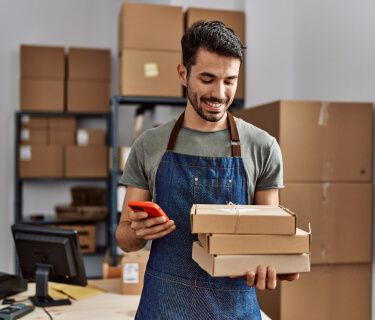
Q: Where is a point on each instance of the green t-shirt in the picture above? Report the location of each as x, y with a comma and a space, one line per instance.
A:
260, 152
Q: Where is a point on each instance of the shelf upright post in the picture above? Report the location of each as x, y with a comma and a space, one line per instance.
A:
17, 181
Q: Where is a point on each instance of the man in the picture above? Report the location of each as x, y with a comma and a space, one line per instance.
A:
206, 156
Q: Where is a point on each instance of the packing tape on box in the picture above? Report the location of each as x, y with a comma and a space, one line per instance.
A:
327, 171
325, 189
323, 114
237, 210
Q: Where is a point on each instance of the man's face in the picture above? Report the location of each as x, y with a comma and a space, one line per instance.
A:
211, 84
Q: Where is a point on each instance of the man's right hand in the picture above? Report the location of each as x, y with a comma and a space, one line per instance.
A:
149, 228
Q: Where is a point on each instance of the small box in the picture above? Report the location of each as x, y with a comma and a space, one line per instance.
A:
41, 95
239, 265
89, 64
256, 243
42, 62
33, 136
150, 27
86, 234
33, 122
150, 73
89, 161
90, 137
88, 96
133, 266
37, 161
242, 219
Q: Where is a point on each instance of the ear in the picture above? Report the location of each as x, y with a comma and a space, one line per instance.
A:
182, 74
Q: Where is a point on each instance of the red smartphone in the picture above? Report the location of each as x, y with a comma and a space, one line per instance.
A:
151, 208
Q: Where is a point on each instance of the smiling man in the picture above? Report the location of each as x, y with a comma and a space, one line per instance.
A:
206, 156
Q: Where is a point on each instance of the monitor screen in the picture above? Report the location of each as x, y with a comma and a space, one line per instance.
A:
46, 253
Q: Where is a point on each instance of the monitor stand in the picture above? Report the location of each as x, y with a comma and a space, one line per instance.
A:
41, 298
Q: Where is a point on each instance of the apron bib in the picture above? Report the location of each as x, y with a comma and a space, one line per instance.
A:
175, 287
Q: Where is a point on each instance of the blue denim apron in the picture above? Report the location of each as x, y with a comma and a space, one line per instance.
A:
175, 287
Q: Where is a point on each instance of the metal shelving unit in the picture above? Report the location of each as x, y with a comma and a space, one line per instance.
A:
143, 104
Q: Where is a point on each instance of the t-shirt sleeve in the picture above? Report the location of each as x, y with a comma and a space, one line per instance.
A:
271, 176
134, 173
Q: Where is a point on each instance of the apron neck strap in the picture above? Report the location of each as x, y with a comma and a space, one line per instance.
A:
234, 136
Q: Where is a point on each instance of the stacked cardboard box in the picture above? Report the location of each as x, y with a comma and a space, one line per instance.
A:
149, 45
235, 239
42, 71
327, 151
89, 75
233, 19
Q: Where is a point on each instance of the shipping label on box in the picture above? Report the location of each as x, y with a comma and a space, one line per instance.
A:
256, 244
239, 265
242, 219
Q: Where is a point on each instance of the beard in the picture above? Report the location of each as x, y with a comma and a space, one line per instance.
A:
207, 115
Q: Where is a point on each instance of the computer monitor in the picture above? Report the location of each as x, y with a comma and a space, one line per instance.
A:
46, 253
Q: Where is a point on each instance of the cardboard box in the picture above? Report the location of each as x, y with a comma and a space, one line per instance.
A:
33, 122
233, 19
42, 62
89, 64
150, 26
340, 215
88, 96
40, 161
242, 219
61, 137
239, 265
41, 95
91, 137
86, 234
150, 73
323, 294
34, 136
62, 123
90, 161
320, 141
133, 266
256, 244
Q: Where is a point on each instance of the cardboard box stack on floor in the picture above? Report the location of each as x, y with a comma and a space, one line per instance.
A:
327, 152
42, 78
233, 19
235, 239
89, 75
149, 49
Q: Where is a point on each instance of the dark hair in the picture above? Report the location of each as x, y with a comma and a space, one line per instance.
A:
214, 36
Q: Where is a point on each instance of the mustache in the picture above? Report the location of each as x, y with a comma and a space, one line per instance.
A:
214, 100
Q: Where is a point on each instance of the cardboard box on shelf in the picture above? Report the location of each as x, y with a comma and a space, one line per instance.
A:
239, 265
89, 64
89, 161
256, 244
42, 62
242, 219
33, 122
61, 136
38, 161
88, 96
336, 138
133, 266
86, 234
340, 215
33, 136
150, 73
150, 27
62, 122
41, 95
90, 137
322, 294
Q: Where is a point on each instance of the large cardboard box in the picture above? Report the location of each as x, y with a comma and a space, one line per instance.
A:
320, 141
256, 243
150, 73
233, 19
340, 215
89, 64
91, 137
150, 27
41, 95
42, 62
89, 161
33, 136
133, 266
38, 161
239, 265
327, 292
33, 122
242, 219
88, 96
